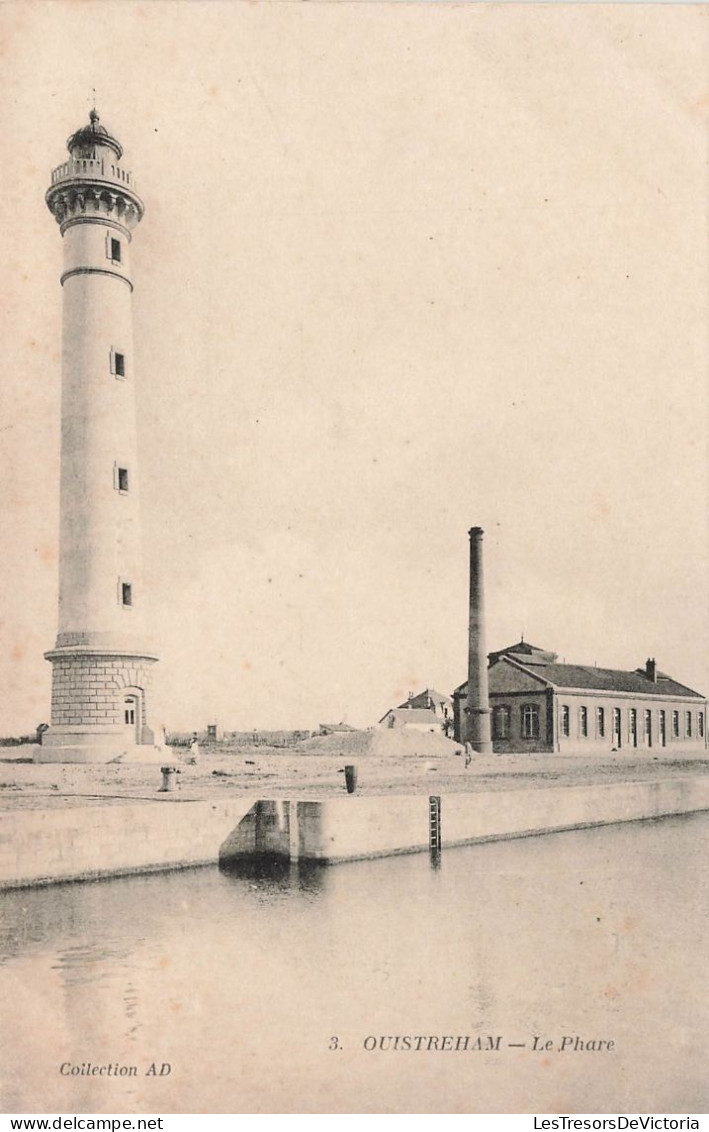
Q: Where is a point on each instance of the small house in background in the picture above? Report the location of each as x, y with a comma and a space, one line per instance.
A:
411, 719
431, 700
428, 711
334, 728
215, 733
538, 704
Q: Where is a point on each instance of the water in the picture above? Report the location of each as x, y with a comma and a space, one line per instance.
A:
240, 982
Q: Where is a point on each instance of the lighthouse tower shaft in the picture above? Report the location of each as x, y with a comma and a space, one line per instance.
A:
101, 661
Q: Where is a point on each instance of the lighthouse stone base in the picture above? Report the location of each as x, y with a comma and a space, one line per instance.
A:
99, 708
73, 746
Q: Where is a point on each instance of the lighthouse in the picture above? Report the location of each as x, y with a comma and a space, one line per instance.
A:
101, 661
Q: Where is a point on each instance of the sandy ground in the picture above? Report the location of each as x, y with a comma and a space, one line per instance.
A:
267, 772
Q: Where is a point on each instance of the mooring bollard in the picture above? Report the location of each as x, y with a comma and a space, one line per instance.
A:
351, 779
168, 773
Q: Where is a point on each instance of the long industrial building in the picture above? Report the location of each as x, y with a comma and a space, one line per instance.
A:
537, 704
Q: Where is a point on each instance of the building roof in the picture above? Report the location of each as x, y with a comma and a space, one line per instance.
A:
526, 652
332, 727
412, 715
614, 680
600, 679
425, 699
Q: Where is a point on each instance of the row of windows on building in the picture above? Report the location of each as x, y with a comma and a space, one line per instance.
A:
530, 723
114, 253
117, 363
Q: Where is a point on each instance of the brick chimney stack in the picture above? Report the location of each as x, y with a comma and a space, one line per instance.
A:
477, 727
651, 669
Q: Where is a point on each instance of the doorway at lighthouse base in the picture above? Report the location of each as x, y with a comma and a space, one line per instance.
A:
99, 708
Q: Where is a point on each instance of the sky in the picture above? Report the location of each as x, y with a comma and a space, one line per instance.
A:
404, 269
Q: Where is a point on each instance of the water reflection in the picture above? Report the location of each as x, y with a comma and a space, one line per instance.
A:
240, 976
270, 874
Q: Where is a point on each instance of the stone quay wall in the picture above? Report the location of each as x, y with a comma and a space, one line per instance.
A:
350, 827
90, 841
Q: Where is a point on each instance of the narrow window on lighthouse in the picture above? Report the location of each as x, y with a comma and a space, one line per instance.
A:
113, 248
126, 593
121, 479
118, 363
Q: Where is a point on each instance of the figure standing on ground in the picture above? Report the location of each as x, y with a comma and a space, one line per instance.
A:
193, 756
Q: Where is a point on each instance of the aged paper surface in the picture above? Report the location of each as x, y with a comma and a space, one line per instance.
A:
405, 268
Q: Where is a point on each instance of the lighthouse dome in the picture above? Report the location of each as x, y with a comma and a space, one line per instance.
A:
93, 134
